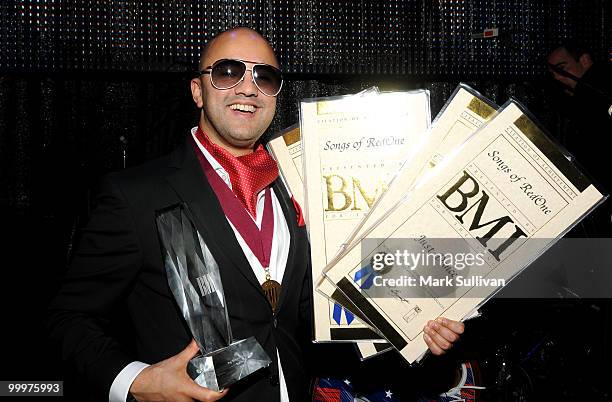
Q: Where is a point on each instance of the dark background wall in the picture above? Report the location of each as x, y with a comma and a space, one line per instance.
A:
90, 86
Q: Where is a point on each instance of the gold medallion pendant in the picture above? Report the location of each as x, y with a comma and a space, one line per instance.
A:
271, 289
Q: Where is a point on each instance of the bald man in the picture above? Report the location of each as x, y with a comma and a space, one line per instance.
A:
118, 264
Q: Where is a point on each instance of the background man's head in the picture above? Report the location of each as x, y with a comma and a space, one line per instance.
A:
572, 59
235, 118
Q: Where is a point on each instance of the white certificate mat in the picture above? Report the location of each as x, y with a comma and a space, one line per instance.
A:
508, 183
351, 148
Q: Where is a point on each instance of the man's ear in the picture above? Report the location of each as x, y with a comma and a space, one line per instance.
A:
585, 61
196, 92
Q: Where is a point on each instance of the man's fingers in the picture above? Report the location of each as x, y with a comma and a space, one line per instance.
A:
438, 339
439, 335
189, 352
216, 395
435, 349
204, 394
455, 326
444, 331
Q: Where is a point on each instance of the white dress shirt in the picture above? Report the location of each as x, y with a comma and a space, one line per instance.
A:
278, 259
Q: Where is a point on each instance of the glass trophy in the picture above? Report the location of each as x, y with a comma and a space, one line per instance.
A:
195, 281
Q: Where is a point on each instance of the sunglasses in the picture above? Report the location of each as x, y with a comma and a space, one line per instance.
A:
227, 73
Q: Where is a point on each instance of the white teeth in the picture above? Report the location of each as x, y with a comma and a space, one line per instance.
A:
243, 108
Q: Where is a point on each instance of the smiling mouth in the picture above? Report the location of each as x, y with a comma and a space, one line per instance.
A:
243, 108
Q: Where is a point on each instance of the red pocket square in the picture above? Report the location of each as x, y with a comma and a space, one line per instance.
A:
298, 211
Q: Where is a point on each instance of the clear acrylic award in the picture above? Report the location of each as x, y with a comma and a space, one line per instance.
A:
195, 281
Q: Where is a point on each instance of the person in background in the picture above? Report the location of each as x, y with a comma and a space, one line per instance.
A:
586, 109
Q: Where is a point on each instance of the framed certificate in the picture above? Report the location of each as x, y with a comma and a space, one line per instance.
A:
506, 195
351, 148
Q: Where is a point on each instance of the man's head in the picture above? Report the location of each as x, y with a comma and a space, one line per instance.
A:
234, 118
572, 60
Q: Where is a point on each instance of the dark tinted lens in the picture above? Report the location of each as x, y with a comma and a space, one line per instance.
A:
227, 73
268, 79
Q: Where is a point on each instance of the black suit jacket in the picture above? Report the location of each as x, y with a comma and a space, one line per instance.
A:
118, 269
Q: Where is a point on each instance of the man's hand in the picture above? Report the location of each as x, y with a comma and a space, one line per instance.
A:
168, 381
440, 334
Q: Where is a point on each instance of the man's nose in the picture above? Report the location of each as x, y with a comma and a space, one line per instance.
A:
247, 86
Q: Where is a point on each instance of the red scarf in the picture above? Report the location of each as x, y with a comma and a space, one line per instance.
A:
249, 174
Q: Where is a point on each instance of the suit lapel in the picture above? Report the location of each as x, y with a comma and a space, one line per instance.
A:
291, 219
191, 185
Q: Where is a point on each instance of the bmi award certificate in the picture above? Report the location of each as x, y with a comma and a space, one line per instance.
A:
489, 210
464, 113
351, 148
286, 148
